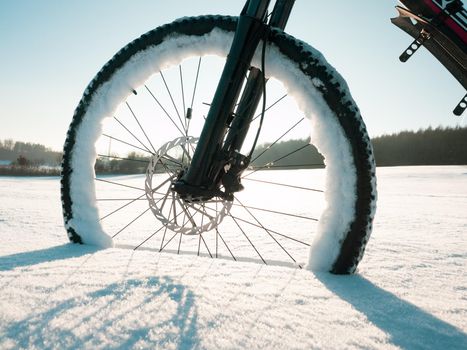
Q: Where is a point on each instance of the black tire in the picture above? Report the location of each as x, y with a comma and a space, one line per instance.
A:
342, 122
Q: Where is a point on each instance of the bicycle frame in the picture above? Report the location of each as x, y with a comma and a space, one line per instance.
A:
210, 164
440, 26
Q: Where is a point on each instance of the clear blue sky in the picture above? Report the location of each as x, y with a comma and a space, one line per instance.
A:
51, 49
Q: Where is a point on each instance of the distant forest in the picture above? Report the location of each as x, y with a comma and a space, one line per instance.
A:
292, 154
28, 159
439, 146
35, 153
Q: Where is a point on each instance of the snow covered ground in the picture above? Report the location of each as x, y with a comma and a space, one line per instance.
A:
410, 291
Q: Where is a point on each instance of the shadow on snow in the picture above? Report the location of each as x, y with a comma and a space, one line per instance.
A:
61, 252
84, 320
407, 326
111, 317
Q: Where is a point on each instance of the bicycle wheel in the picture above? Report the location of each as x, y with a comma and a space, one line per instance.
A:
141, 115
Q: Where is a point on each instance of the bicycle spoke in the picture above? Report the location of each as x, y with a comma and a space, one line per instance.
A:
123, 206
272, 231
196, 83
172, 159
217, 243
119, 184
132, 159
202, 238
127, 143
131, 222
171, 172
201, 211
251, 243
117, 199
268, 108
286, 185
275, 212
222, 239
185, 152
193, 223
163, 237
166, 227
278, 159
176, 233
193, 97
266, 230
148, 238
171, 98
174, 209
162, 183
179, 244
199, 244
294, 166
134, 136
165, 112
217, 234
164, 200
174, 220
183, 97
132, 201
144, 132
276, 141
128, 199
259, 226
168, 242
190, 217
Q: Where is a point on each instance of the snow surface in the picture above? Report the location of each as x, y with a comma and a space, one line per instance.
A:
410, 292
327, 136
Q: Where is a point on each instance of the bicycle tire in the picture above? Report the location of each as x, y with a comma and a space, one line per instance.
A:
342, 237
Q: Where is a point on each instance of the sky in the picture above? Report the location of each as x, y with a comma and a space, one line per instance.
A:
50, 50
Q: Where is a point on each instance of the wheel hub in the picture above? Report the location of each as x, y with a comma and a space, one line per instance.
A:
179, 213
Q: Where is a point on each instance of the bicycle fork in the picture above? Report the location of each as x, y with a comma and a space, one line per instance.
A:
217, 160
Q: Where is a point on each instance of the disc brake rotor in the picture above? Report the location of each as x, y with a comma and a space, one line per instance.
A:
178, 215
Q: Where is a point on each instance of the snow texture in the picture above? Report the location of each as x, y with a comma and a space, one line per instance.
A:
409, 293
327, 136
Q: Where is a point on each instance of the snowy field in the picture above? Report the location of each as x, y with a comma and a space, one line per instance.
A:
410, 291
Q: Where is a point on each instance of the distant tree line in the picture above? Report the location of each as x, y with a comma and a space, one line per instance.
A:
432, 146
28, 159
439, 146
34, 153
291, 154
133, 163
